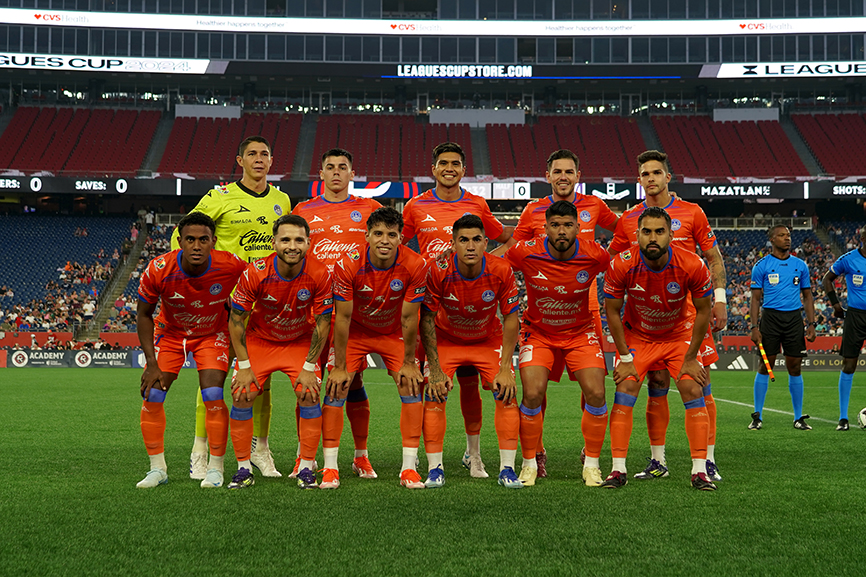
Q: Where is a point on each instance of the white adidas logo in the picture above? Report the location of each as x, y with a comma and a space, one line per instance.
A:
739, 364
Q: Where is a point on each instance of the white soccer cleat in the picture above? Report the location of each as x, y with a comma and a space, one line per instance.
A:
264, 462
153, 478
197, 466
466, 461
213, 479
476, 468
592, 477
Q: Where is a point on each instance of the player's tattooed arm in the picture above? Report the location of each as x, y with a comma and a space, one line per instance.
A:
720, 281
152, 376
438, 384
238, 331
242, 384
320, 337
338, 377
307, 379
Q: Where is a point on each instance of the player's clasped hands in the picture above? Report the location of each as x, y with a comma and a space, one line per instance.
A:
338, 380
411, 377
695, 370
310, 386
242, 385
505, 386
438, 387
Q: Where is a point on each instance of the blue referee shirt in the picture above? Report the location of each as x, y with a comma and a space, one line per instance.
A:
781, 281
852, 265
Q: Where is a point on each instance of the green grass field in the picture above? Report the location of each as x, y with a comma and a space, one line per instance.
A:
790, 503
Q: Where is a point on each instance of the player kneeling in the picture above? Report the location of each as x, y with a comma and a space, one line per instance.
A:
459, 327
291, 301
193, 284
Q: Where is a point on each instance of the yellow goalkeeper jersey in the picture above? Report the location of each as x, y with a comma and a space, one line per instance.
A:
244, 219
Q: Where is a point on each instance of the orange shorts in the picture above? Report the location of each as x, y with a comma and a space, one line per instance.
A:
326, 359
209, 352
581, 351
268, 357
653, 356
361, 343
708, 353
484, 356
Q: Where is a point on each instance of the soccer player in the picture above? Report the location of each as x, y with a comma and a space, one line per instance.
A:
430, 217
337, 227
659, 327
690, 230
851, 265
378, 292
192, 283
459, 327
779, 282
558, 332
288, 300
244, 212
563, 174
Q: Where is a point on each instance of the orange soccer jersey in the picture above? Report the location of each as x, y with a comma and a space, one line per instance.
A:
657, 307
591, 212
336, 228
432, 219
192, 306
689, 227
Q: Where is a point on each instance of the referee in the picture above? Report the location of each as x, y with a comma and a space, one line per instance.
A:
779, 281
851, 265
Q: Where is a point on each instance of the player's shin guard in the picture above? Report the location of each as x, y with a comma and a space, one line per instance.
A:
658, 416
697, 429
216, 420
358, 412
506, 421
711, 411
470, 403
795, 386
332, 422
262, 414
846, 380
411, 420
593, 426
153, 422
310, 431
621, 423
434, 425
242, 432
531, 426
762, 384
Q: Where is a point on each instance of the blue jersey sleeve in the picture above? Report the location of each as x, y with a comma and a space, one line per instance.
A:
805, 280
758, 275
840, 267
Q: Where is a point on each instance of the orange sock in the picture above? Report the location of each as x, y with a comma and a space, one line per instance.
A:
216, 421
242, 432
358, 411
332, 423
621, 423
540, 447
593, 425
658, 416
434, 426
470, 403
697, 427
506, 421
711, 411
153, 427
411, 420
531, 426
310, 430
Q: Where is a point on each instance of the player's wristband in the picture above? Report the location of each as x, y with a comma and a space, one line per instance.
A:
834, 300
720, 295
756, 327
813, 324
629, 358
244, 364
309, 367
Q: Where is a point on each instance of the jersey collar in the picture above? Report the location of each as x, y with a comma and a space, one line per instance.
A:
670, 257
481, 272
572, 257
252, 192
277, 270
374, 267
209, 260
462, 194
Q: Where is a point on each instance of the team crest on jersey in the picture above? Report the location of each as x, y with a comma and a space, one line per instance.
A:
278, 210
582, 276
354, 254
488, 296
355, 216
160, 263
673, 288
442, 263
222, 189
773, 278
857, 279
396, 285
530, 243
626, 255
260, 265
676, 224
585, 216
216, 289
303, 295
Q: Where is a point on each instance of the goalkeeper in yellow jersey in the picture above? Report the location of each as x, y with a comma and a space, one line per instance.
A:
244, 212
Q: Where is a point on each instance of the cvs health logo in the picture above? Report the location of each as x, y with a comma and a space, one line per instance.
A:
403, 27
48, 17
753, 26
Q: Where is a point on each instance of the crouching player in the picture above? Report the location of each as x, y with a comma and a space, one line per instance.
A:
378, 292
558, 332
658, 328
459, 327
291, 301
193, 284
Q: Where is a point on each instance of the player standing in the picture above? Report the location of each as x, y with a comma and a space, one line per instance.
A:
378, 292
689, 230
243, 212
337, 227
288, 300
430, 217
779, 282
192, 283
657, 278
558, 332
459, 327
851, 265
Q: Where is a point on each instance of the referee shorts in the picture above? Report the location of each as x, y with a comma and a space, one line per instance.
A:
783, 329
853, 333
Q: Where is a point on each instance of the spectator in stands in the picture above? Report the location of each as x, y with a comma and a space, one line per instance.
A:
84, 231
77, 232
89, 308
148, 221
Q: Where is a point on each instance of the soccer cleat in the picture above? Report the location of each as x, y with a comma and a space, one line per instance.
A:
197, 466
508, 479
756, 423
294, 473
654, 470
713, 472
843, 425
410, 479
212, 479
264, 462
583, 456
307, 479
435, 478
592, 477
700, 482
153, 478
330, 479
528, 476
541, 461
466, 461
801, 424
477, 470
615, 480
242, 479
361, 466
